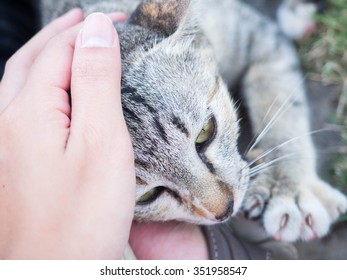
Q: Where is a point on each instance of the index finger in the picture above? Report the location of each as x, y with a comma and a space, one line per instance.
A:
17, 67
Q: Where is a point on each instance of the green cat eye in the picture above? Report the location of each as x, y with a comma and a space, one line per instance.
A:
206, 133
150, 196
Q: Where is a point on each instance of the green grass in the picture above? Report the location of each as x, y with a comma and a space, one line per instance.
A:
324, 57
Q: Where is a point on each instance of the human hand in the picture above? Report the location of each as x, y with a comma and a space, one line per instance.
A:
67, 175
170, 240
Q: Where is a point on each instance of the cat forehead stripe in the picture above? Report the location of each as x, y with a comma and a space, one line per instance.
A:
180, 125
215, 90
131, 115
135, 97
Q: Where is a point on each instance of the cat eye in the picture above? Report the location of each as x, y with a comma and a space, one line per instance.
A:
150, 196
207, 133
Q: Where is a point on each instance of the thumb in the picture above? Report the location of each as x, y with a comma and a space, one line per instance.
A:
95, 84
98, 133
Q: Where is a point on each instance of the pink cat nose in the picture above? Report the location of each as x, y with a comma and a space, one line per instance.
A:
227, 213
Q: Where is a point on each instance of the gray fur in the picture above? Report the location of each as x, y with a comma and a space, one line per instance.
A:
175, 77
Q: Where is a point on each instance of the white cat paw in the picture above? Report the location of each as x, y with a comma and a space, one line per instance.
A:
302, 217
304, 214
255, 201
332, 199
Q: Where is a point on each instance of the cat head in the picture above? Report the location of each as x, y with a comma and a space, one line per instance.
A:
180, 116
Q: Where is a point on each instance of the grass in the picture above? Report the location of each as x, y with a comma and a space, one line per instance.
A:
325, 54
324, 57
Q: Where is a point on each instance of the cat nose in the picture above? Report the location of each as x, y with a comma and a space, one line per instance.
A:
227, 213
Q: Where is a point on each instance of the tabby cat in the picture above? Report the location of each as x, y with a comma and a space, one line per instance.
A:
178, 58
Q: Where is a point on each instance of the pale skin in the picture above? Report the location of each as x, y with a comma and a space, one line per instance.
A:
67, 178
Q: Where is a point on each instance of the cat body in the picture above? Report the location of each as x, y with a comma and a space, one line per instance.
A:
178, 60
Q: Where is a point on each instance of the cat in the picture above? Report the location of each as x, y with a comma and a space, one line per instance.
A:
295, 18
178, 59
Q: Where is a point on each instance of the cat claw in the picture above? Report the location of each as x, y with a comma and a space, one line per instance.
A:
283, 224
284, 221
255, 202
253, 208
309, 221
311, 232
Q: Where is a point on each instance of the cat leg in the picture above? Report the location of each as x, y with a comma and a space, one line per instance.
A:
285, 189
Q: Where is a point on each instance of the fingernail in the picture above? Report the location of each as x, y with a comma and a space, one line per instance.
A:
97, 32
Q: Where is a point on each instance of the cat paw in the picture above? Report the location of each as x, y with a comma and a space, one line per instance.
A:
332, 199
292, 218
305, 213
255, 201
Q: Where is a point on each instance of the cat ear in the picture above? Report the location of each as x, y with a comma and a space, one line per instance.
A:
164, 16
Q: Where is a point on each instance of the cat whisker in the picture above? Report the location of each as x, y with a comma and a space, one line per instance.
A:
282, 109
264, 166
264, 154
254, 138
